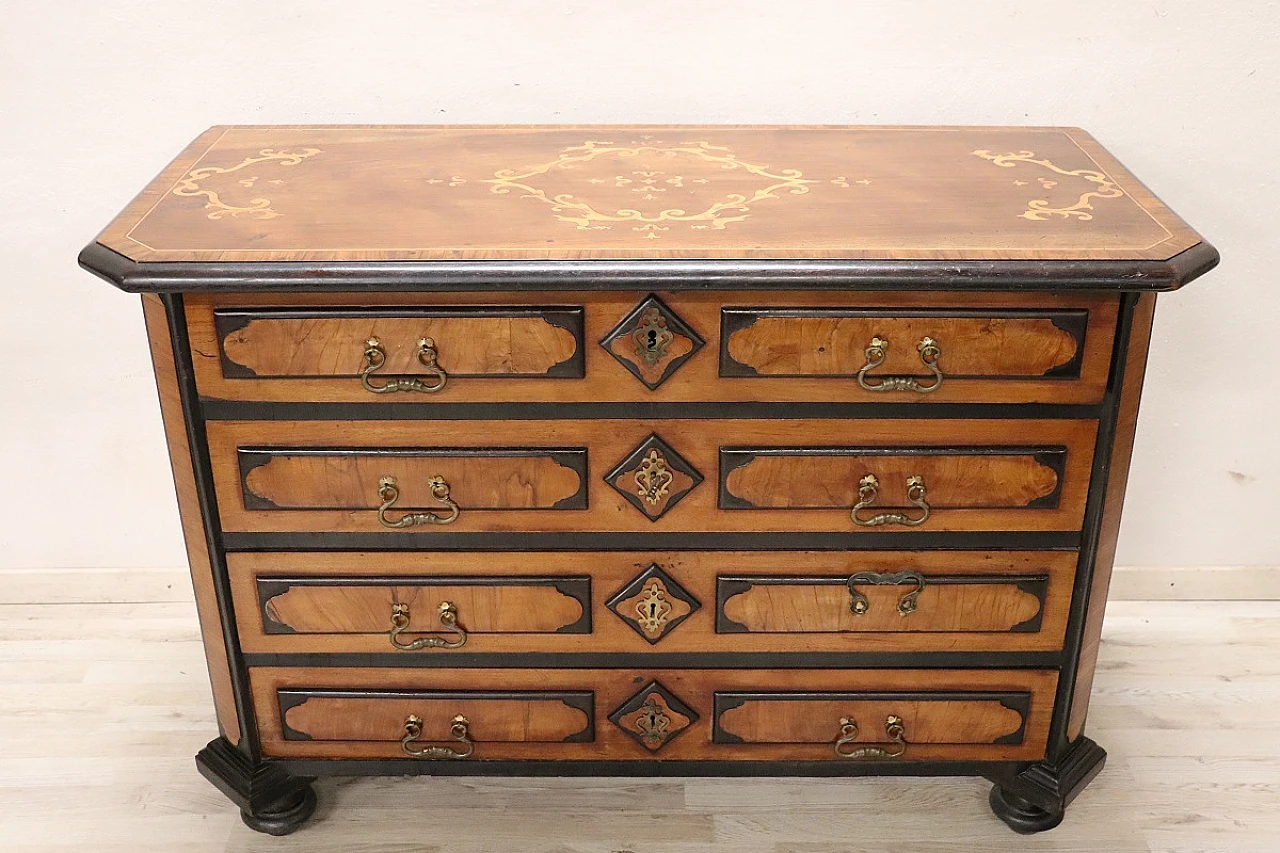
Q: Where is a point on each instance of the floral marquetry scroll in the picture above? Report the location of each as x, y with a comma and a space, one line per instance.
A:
654, 478
653, 717
653, 604
652, 342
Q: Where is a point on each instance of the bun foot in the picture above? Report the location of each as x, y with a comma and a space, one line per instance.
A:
1021, 816
284, 818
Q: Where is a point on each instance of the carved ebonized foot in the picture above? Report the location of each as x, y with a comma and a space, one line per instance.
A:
270, 800
1036, 798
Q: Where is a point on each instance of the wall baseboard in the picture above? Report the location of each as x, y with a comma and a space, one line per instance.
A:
1195, 583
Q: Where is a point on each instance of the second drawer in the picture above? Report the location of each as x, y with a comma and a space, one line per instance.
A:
440, 604
438, 478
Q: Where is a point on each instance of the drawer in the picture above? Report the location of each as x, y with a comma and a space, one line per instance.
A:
634, 346
441, 478
438, 605
628, 714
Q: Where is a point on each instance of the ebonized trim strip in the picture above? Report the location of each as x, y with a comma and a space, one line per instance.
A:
656, 274
664, 660
236, 410
649, 542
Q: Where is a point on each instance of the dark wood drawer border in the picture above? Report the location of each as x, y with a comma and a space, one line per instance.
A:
728, 586
577, 587
581, 700
1052, 457
1019, 701
229, 320
1073, 321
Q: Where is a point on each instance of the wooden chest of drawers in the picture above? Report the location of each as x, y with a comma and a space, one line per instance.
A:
654, 450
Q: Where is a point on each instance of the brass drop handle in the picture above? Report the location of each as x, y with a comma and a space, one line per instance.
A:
389, 493
458, 731
448, 620
906, 604
869, 492
893, 727
375, 357
929, 351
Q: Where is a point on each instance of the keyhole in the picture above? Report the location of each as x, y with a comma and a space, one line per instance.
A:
653, 339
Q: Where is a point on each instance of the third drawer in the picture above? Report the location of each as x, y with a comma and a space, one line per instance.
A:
616, 602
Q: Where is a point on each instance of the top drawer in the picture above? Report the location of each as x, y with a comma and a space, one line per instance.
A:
675, 347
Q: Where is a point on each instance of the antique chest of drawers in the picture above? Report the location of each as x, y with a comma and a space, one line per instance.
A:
649, 450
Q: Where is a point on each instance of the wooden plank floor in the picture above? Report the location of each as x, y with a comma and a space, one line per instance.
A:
104, 701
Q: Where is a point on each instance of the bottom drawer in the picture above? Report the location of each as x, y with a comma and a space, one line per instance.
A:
614, 714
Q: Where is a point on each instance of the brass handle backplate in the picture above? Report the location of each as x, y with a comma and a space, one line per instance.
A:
929, 351
375, 357
893, 727
906, 604
458, 730
869, 492
448, 620
389, 493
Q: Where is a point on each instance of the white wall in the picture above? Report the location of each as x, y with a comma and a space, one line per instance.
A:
95, 97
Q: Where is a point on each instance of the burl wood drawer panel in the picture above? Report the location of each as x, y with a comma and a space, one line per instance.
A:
438, 478
620, 714
638, 346
438, 604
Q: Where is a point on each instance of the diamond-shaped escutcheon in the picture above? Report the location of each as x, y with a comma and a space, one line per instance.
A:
652, 342
653, 478
654, 716
653, 604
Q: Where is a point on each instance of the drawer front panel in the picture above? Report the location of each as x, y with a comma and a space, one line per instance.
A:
927, 718
471, 342
891, 602
832, 343
632, 714
991, 477
498, 716
652, 475
685, 346
347, 478
660, 601
363, 606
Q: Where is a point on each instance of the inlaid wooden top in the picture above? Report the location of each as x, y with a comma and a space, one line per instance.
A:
342, 194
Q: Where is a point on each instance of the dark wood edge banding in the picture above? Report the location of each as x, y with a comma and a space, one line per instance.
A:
731, 458
655, 274
577, 587
1019, 701
248, 410
1075, 324
850, 540
570, 318
580, 700
1073, 321
1055, 459
728, 586
573, 458
650, 659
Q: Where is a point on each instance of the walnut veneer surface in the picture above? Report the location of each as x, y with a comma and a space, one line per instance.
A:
649, 450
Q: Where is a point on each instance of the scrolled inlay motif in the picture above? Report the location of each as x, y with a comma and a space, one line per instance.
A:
257, 208
1041, 209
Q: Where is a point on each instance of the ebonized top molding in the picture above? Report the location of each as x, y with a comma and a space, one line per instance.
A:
387, 208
